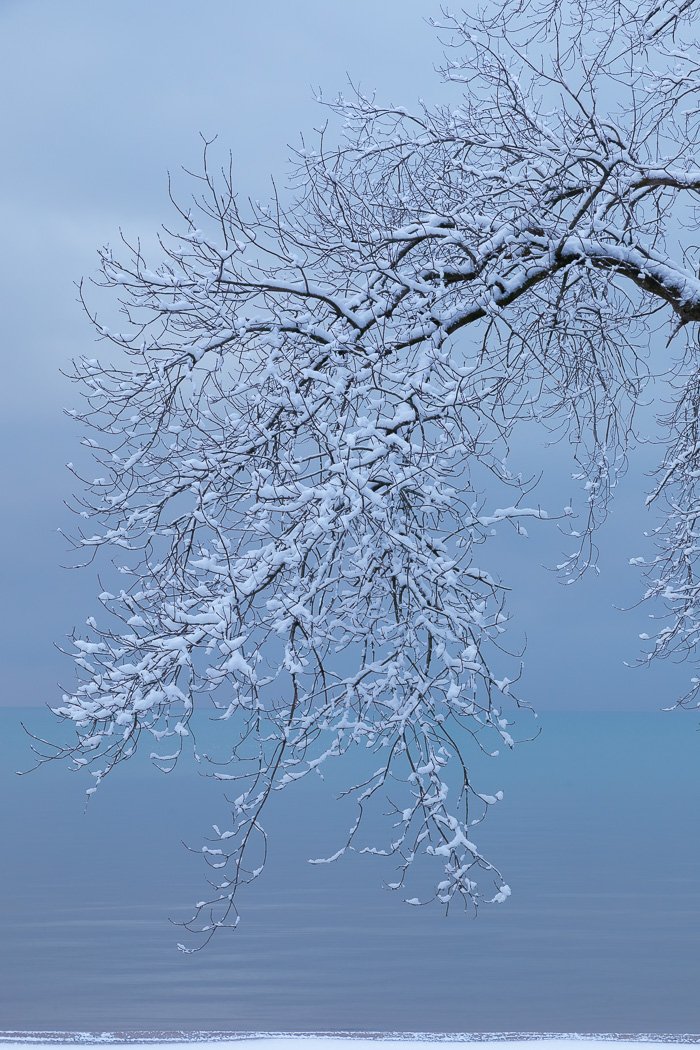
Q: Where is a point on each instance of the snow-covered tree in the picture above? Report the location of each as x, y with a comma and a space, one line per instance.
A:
304, 428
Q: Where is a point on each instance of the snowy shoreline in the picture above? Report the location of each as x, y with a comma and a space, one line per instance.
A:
16, 1040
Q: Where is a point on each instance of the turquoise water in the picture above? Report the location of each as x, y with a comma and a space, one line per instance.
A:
598, 836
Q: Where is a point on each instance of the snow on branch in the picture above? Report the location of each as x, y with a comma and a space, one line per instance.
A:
311, 405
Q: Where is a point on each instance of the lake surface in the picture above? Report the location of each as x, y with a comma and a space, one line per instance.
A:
598, 836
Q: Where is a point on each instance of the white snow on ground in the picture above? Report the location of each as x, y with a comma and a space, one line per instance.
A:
250, 1041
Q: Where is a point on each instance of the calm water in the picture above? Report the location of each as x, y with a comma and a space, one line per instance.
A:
598, 836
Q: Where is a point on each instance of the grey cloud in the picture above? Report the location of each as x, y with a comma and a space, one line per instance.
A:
103, 100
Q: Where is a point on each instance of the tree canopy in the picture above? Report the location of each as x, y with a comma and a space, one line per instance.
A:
304, 429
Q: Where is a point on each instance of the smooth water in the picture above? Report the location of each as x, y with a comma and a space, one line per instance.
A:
597, 836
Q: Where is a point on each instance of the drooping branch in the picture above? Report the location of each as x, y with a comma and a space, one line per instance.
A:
305, 431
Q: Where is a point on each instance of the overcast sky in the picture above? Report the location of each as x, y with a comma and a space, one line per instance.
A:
100, 102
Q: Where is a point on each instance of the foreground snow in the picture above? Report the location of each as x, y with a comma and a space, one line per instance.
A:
285, 1041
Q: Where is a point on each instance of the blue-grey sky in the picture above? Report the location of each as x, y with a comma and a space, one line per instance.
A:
100, 102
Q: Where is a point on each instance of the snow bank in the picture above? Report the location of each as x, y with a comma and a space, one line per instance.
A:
295, 1041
